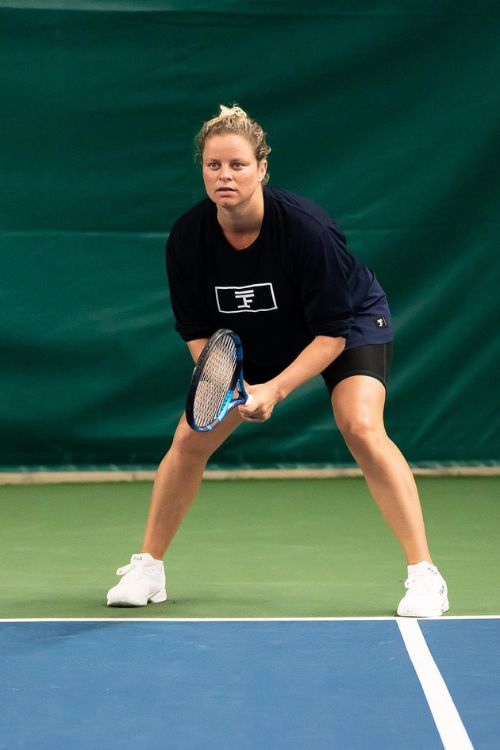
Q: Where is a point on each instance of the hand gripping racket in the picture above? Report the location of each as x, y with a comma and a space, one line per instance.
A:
216, 377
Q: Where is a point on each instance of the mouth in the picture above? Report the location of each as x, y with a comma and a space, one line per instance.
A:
225, 190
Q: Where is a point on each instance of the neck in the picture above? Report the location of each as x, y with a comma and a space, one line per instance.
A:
243, 219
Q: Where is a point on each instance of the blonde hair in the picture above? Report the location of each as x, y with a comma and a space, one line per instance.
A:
234, 120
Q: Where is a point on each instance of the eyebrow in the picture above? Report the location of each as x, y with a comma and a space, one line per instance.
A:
235, 158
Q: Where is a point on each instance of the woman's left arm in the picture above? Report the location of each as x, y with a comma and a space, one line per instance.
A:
312, 360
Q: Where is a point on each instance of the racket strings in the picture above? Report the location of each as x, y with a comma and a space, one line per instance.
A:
215, 381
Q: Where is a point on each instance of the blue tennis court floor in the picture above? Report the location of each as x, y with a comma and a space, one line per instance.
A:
251, 684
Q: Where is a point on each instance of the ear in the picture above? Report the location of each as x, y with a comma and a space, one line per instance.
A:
262, 169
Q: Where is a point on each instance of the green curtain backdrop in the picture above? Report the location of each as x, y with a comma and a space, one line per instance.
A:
386, 113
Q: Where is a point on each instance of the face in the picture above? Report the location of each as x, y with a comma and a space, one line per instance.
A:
231, 173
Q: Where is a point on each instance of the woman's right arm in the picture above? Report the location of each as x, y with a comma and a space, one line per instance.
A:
195, 347
187, 291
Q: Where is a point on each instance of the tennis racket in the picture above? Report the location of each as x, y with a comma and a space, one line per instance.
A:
217, 382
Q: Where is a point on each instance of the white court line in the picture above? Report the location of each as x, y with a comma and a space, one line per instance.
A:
198, 619
444, 712
241, 619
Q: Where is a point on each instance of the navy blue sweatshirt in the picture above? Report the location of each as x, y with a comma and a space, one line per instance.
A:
296, 281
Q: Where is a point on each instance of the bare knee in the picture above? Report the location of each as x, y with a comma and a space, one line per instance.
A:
361, 434
189, 445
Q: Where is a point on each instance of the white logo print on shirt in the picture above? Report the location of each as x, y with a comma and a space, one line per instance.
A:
245, 296
250, 298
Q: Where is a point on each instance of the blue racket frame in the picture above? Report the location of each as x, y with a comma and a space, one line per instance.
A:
230, 401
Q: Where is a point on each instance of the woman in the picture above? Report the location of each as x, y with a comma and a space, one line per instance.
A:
274, 267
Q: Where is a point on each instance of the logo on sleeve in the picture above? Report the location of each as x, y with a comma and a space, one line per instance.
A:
251, 298
381, 322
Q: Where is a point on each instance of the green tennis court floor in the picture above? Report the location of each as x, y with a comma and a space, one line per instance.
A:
254, 548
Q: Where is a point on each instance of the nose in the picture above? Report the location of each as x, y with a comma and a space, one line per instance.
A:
225, 173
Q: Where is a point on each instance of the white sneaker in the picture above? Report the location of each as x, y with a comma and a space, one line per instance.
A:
427, 594
143, 581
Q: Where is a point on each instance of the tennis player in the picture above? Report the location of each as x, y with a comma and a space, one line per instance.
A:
274, 267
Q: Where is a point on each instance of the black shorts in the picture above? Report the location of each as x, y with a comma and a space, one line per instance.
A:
373, 359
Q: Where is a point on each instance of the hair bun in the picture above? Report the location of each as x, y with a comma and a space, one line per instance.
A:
233, 111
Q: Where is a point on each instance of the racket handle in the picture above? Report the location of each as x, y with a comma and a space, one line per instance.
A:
249, 399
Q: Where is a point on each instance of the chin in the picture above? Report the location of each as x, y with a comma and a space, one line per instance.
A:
226, 200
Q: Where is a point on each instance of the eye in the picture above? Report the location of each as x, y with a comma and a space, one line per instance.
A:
237, 165
213, 164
